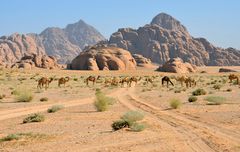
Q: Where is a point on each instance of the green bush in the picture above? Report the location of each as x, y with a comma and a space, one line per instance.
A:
55, 108
132, 117
23, 95
192, 99
217, 86
34, 118
10, 137
175, 103
137, 127
44, 99
215, 100
129, 120
117, 125
103, 102
199, 92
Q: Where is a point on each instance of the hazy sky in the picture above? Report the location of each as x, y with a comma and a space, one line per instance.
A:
216, 20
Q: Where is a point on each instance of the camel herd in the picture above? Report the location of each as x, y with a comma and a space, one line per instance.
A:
128, 80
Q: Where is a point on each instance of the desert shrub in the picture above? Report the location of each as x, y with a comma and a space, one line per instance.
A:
117, 125
55, 108
34, 118
217, 86
137, 127
178, 91
192, 99
175, 103
2, 96
75, 79
18, 136
199, 92
132, 117
103, 102
215, 100
130, 120
23, 96
43, 99
229, 90
10, 137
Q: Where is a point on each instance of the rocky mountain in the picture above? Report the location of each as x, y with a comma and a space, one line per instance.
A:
165, 38
63, 44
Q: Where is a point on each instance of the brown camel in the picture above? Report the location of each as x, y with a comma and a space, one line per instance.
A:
115, 81
125, 80
232, 77
134, 79
166, 79
63, 81
149, 80
44, 82
92, 78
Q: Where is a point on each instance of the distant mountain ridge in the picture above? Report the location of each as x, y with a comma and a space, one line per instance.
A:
165, 38
64, 44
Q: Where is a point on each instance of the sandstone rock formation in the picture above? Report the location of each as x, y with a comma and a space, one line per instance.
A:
38, 61
142, 61
63, 44
167, 38
226, 70
103, 58
176, 65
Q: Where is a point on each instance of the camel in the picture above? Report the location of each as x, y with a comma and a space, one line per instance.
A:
167, 79
107, 81
125, 79
190, 82
134, 79
92, 78
115, 81
232, 77
44, 82
63, 81
149, 80
181, 79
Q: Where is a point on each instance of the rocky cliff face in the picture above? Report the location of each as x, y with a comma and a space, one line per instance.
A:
167, 38
63, 44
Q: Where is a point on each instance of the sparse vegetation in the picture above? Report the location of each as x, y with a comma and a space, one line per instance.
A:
2, 96
229, 90
215, 100
175, 103
130, 120
19, 136
34, 118
192, 99
23, 95
55, 108
103, 102
199, 92
44, 99
217, 86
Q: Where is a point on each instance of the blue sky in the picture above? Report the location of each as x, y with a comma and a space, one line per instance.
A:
216, 20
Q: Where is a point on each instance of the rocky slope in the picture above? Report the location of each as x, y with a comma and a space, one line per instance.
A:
165, 38
63, 44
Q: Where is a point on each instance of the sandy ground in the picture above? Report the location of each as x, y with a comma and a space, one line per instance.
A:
79, 127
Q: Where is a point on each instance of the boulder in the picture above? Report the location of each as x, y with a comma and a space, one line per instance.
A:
226, 70
103, 58
142, 61
176, 65
39, 61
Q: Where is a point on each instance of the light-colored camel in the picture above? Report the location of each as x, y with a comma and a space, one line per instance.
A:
125, 80
44, 82
134, 79
63, 81
92, 78
190, 82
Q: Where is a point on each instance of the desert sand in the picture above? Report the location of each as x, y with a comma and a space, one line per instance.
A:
195, 126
